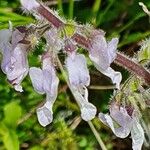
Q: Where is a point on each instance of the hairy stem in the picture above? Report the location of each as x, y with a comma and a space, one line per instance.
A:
133, 67
44, 12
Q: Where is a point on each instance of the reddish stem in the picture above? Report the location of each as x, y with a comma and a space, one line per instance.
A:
133, 67
49, 16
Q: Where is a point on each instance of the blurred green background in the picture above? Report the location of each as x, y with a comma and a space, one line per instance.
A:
19, 128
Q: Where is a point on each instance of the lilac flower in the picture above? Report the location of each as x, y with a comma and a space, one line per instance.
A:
53, 39
14, 62
79, 78
77, 70
5, 37
46, 82
103, 54
122, 124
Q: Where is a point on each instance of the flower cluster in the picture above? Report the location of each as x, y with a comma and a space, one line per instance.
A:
44, 80
124, 120
16, 43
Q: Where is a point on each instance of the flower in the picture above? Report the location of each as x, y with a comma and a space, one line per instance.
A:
14, 62
123, 122
79, 78
46, 82
77, 70
102, 54
53, 39
5, 37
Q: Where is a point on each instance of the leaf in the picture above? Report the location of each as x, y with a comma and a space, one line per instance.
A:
134, 37
134, 85
9, 137
69, 29
6, 15
12, 113
144, 54
10, 140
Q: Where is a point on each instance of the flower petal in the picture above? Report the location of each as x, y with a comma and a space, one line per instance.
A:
53, 39
37, 78
47, 81
120, 115
50, 80
6, 58
120, 131
88, 110
115, 76
137, 135
98, 52
77, 70
16, 37
112, 47
18, 88
45, 115
5, 36
15, 64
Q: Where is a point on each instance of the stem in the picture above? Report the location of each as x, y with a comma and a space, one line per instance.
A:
89, 122
43, 11
71, 8
102, 87
85, 43
133, 67
102, 145
95, 10
60, 7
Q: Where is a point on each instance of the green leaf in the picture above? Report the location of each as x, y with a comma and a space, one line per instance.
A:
69, 30
12, 113
134, 85
134, 37
9, 137
144, 53
6, 15
71, 8
3, 129
10, 140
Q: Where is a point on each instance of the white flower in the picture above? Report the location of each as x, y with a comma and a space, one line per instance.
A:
46, 82
45, 113
79, 78
122, 124
5, 37
103, 54
77, 70
115, 76
88, 110
14, 62
53, 39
